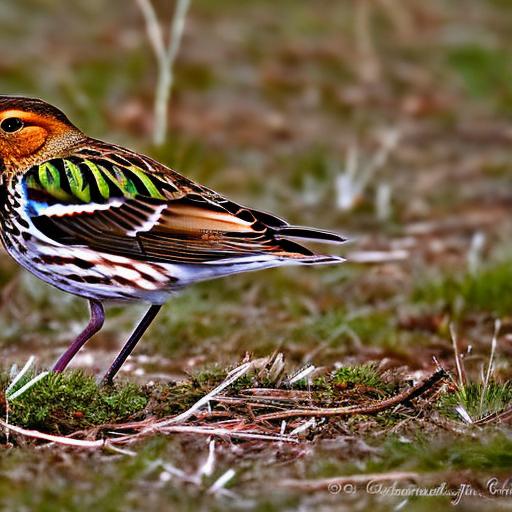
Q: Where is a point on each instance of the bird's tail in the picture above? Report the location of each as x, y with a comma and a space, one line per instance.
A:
311, 234
302, 254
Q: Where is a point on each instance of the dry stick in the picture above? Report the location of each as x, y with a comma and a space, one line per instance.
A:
80, 443
404, 396
105, 443
458, 360
208, 430
369, 65
233, 376
336, 482
221, 432
149, 425
165, 58
495, 417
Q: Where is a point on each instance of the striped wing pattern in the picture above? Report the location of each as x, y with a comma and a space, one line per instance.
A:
123, 204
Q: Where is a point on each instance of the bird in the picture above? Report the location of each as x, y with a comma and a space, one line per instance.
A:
108, 224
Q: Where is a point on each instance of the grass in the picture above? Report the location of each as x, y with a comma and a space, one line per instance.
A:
429, 454
488, 290
73, 401
62, 403
479, 400
486, 73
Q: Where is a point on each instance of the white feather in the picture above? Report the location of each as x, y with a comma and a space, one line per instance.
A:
62, 210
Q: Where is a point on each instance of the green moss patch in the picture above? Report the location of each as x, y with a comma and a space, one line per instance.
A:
70, 401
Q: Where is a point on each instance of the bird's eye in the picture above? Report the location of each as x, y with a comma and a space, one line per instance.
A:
11, 124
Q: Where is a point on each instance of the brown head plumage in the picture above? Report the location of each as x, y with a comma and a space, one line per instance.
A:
31, 131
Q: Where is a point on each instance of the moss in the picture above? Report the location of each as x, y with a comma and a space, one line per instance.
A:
348, 385
70, 401
176, 397
210, 376
360, 375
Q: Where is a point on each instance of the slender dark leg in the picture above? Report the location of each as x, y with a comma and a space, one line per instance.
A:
130, 344
94, 325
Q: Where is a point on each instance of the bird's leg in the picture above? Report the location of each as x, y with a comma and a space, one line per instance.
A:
94, 325
130, 344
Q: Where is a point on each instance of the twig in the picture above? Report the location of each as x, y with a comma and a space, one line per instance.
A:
356, 176
276, 394
165, 57
55, 439
20, 374
369, 66
221, 482
183, 429
495, 417
374, 408
302, 428
225, 432
461, 374
302, 374
233, 376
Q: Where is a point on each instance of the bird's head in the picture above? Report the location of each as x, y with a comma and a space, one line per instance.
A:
32, 131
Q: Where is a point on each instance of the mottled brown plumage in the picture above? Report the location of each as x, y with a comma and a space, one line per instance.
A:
106, 223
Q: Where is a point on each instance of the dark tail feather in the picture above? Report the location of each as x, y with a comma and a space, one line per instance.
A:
313, 234
302, 254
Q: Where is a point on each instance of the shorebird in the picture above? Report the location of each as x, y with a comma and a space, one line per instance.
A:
108, 224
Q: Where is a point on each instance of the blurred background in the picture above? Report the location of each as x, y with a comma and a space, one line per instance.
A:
387, 121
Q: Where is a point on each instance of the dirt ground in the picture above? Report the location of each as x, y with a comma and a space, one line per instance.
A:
387, 121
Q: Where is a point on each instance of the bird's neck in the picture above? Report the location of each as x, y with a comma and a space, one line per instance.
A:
56, 147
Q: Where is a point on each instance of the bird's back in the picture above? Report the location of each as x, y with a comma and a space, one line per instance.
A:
123, 225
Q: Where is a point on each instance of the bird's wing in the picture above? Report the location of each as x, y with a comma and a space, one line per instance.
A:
119, 204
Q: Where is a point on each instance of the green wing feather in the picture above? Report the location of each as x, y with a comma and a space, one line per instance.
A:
124, 204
